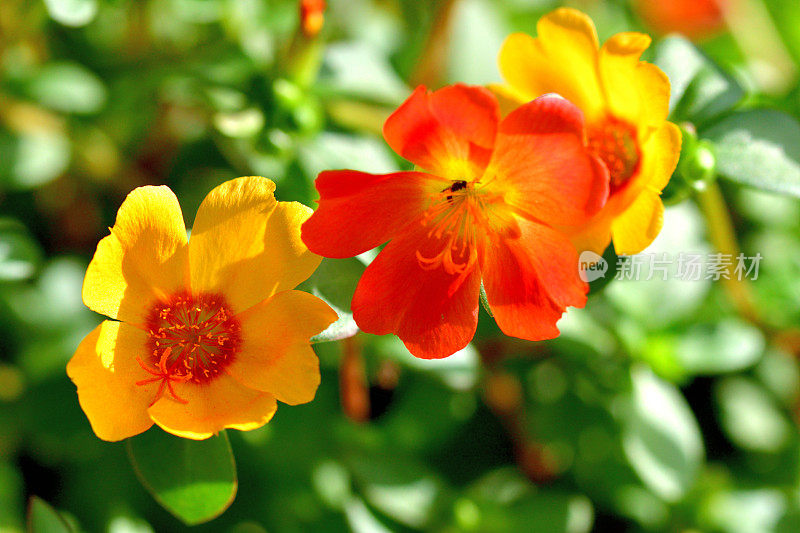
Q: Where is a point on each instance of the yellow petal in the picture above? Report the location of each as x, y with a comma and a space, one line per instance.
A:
639, 225
105, 370
247, 246
655, 90
563, 60
276, 356
144, 257
222, 403
507, 97
660, 156
637, 92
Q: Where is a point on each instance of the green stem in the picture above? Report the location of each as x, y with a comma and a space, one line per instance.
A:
432, 62
723, 237
502, 393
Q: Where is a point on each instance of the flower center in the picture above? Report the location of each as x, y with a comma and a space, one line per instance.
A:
190, 338
614, 142
453, 219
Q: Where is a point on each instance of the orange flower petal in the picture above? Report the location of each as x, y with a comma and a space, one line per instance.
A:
530, 280
144, 258
276, 356
563, 60
247, 246
595, 235
219, 404
434, 313
105, 370
312, 16
543, 166
659, 157
449, 132
359, 211
697, 19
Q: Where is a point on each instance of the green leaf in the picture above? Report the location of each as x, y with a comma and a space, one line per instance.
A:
701, 90
477, 33
20, 255
335, 150
194, 480
395, 485
751, 417
504, 500
725, 346
32, 159
746, 511
648, 298
335, 282
661, 437
73, 13
42, 518
785, 14
69, 87
240, 124
60, 280
360, 71
759, 148
11, 483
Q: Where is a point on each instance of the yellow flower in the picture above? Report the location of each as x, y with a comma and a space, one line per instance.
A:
207, 332
625, 102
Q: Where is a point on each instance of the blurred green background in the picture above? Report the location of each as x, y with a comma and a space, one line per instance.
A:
664, 406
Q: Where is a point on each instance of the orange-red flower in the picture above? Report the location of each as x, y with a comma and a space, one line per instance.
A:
312, 16
207, 332
625, 102
482, 208
696, 19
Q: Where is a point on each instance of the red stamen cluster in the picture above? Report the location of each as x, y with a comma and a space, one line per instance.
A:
614, 142
452, 217
190, 338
